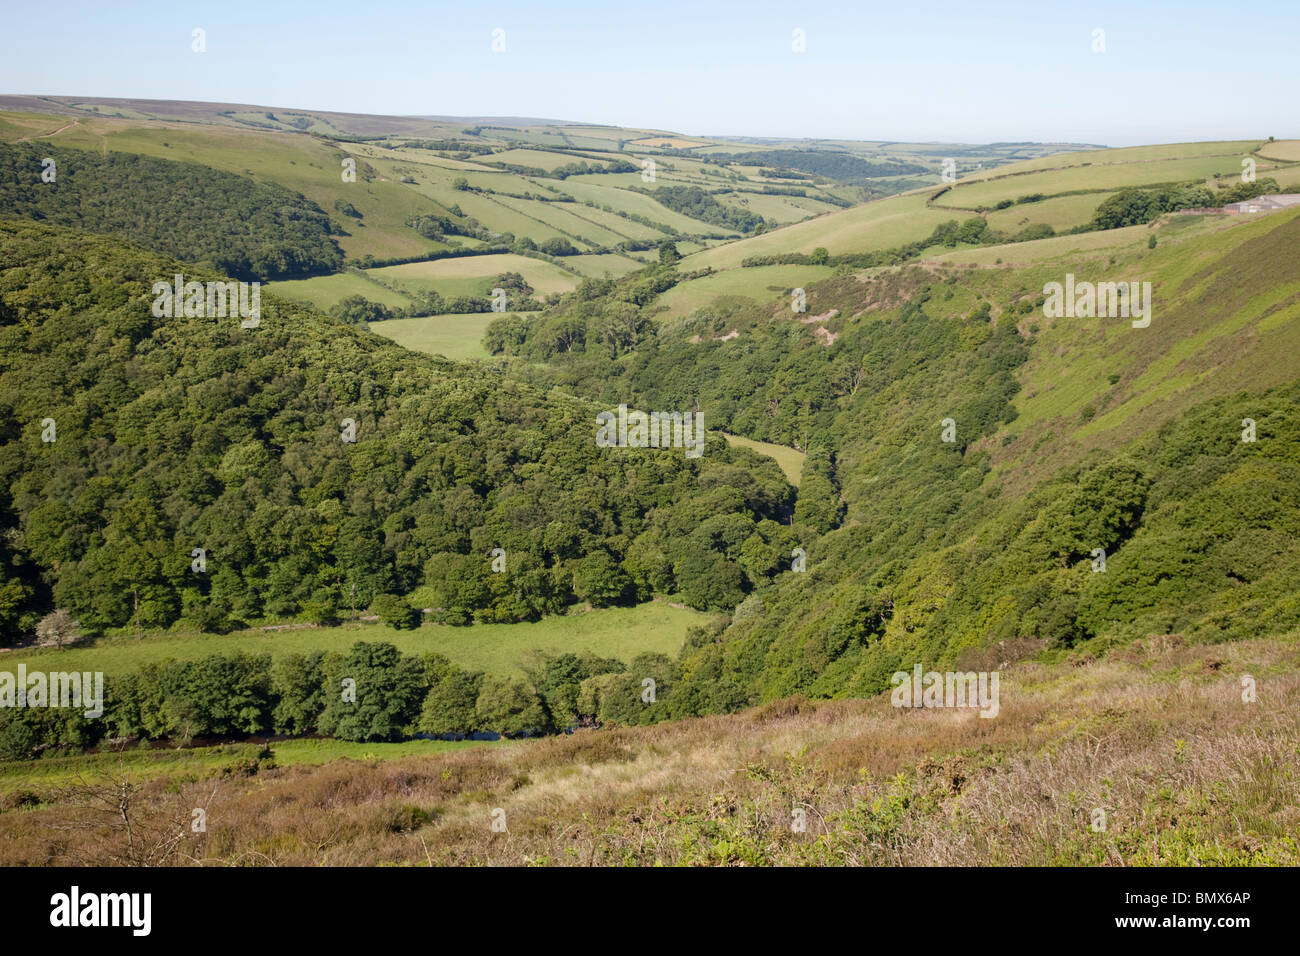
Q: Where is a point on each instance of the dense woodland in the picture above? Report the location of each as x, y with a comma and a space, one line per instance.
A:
396, 696
179, 434
203, 216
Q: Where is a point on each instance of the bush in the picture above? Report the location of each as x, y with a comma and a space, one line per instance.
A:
395, 612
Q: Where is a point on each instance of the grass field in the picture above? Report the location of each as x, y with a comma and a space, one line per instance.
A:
621, 200
326, 291
456, 336
1061, 213
585, 217
473, 275
598, 265
881, 224
781, 209
762, 284
540, 159
1128, 155
790, 460
1287, 150
1044, 250
495, 648
1099, 177
558, 216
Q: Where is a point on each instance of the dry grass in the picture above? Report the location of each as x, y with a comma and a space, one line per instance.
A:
1157, 736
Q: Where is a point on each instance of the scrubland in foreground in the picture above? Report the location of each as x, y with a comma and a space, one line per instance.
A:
1158, 736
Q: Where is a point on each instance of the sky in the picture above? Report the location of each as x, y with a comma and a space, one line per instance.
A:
977, 71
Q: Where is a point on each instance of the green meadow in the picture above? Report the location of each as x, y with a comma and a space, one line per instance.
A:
473, 275
1102, 176
456, 336
326, 291
790, 459
230, 760
876, 225
763, 284
501, 649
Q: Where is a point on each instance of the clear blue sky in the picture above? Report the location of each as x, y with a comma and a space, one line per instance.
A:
974, 71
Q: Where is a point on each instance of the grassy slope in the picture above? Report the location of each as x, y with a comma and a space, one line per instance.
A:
1061, 213
790, 460
761, 284
473, 273
143, 764
496, 648
1098, 177
1227, 301
876, 225
457, 337
909, 216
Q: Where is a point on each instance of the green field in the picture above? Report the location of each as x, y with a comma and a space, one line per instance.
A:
456, 336
1061, 213
326, 291
558, 217
541, 159
1102, 176
790, 459
621, 200
881, 224
473, 275
494, 648
597, 266
1128, 155
764, 283
1286, 150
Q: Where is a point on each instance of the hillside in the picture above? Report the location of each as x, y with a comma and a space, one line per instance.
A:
1070, 435
198, 433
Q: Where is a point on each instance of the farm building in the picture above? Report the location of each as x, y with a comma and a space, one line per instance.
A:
1264, 204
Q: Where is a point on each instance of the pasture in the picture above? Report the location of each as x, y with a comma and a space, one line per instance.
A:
457, 336
502, 649
881, 224
326, 291
790, 459
763, 284
473, 275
